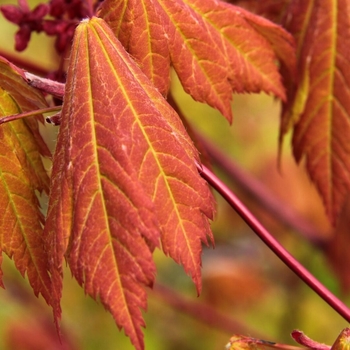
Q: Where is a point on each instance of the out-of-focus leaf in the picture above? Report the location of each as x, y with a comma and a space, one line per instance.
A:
36, 334
215, 48
319, 103
124, 178
274, 10
343, 340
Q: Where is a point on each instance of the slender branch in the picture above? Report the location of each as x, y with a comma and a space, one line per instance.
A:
268, 202
252, 187
274, 245
10, 118
47, 85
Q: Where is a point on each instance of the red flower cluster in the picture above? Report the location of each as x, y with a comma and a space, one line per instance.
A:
28, 21
65, 15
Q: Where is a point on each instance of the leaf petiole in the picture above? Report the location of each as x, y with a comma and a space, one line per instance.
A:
10, 118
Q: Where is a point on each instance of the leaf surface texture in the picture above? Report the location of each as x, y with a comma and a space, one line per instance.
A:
320, 101
128, 176
215, 48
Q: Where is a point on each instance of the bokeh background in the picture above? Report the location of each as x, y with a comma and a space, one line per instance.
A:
246, 289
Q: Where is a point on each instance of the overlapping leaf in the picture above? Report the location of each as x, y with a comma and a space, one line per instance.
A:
215, 48
320, 104
21, 174
124, 179
274, 10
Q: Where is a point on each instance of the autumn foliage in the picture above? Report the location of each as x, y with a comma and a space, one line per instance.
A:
125, 176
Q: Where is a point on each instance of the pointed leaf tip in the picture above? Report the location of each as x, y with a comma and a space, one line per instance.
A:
125, 167
215, 48
318, 107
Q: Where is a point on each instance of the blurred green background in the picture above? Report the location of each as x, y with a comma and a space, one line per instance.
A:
242, 279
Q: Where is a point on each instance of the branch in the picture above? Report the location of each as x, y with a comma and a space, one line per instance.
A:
251, 186
12, 117
273, 244
260, 194
47, 85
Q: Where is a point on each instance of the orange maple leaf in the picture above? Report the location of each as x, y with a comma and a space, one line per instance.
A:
124, 179
319, 106
215, 48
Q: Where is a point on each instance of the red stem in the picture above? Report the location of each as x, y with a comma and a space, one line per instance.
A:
12, 117
273, 244
268, 202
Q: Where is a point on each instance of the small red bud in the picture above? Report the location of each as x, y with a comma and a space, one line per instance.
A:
22, 38
40, 11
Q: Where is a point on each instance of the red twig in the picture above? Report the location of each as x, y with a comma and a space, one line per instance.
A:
273, 244
268, 202
302, 339
10, 118
47, 85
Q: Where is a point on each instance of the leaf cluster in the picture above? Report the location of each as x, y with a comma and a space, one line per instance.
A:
125, 173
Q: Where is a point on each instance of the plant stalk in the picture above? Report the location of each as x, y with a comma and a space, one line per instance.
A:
260, 194
13, 117
273, 244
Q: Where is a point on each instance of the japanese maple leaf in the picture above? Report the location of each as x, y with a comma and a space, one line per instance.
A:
124, 179
215, 48
319, 103
22, 174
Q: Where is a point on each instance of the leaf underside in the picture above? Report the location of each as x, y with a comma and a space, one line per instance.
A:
124, 180
214, 47
320, 102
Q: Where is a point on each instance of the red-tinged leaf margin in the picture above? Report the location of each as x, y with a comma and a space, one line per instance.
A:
320, 110
137, 24
165, 135
274, 10
256, 57
206, 46
156, 123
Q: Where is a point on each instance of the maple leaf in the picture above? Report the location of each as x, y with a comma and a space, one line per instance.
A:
22, 174
215, 48
124, 178
319, 107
